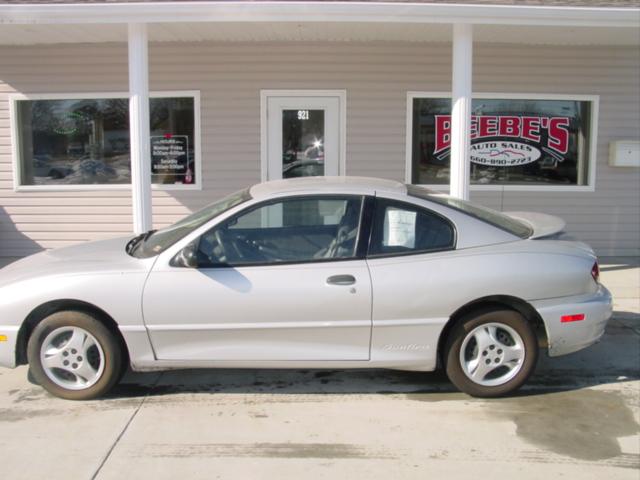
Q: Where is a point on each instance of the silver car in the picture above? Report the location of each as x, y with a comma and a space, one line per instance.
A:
312, 272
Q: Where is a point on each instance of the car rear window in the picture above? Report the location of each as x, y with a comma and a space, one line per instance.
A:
492, 217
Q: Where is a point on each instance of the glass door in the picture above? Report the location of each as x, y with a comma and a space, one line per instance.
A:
303, 136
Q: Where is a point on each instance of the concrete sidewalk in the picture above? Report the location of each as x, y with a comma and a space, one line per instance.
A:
578, 417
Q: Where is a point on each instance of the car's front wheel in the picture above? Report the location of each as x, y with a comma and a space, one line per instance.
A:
491, 353
74, 356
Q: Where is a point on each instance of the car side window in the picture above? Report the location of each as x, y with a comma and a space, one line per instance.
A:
295, 229
401, 228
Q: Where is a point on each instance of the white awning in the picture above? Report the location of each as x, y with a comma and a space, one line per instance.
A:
317, 21
317, 31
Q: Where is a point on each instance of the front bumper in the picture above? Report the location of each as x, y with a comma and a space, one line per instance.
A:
9, 338
570, 337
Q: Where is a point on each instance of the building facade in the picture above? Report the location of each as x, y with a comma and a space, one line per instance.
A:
240, 92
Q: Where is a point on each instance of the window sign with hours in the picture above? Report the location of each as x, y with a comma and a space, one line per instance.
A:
170, 158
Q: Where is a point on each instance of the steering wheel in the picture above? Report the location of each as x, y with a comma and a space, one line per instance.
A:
218, 237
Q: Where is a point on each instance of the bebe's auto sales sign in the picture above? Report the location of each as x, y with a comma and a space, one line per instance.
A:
507, 140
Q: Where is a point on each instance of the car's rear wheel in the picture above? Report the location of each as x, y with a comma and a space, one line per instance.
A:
491, 353
74, 356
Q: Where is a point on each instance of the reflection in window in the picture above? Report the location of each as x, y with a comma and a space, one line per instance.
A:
513, 142
86, 141
74, 141
302, 143
268, 234
294, 213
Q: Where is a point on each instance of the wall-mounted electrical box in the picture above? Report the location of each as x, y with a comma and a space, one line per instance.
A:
624, 153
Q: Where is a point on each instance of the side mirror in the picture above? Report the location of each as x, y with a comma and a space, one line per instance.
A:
188, 257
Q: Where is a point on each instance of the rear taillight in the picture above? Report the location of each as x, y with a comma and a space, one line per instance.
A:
595, 272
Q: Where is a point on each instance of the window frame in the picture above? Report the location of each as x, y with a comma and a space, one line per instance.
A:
418, 208
266, 94
593, 141
14, 98
362, 240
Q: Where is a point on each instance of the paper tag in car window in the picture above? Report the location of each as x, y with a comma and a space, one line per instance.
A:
399, 228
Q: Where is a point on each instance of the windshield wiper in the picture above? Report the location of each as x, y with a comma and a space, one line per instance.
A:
137, 240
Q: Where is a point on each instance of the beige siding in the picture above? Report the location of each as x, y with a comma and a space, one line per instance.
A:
609, 218
30, 221
376, 77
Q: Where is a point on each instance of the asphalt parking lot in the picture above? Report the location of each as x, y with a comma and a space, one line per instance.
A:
577, 418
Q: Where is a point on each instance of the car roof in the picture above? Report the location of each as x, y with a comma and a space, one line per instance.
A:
342, 184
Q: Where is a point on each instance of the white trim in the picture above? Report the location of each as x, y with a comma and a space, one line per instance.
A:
316, 11
15, 140
343, 132
508, 96
17, 174
68, 96
593, 140
265, 94
264, 156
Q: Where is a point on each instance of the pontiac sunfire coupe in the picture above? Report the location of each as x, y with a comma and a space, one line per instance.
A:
313, 272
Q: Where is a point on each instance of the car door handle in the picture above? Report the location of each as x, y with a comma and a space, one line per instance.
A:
341, 280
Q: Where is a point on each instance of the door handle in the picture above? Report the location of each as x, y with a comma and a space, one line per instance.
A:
341, 280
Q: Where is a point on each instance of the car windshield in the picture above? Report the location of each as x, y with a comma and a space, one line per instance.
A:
487, 215
154, 243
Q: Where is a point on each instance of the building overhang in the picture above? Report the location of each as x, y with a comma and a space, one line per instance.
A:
318, 11
241, 21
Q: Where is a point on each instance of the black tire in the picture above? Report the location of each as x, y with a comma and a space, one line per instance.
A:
31, 378
112, 352
466, 325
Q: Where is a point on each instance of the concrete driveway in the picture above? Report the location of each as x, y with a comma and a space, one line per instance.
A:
577, 418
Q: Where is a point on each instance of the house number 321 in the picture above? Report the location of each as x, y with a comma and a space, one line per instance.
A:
303, 114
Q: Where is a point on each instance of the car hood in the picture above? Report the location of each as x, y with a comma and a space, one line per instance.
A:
543, 225
102, 256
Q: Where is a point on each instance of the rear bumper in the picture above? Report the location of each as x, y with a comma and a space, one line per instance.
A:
8, 346
569, 337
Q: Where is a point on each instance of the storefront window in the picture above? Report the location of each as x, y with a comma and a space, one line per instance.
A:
513, 141
85, 141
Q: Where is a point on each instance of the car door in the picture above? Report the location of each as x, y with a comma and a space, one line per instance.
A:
409, 259
283, 280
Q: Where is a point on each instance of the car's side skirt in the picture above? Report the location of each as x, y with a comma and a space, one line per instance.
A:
406, 344
159, 365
